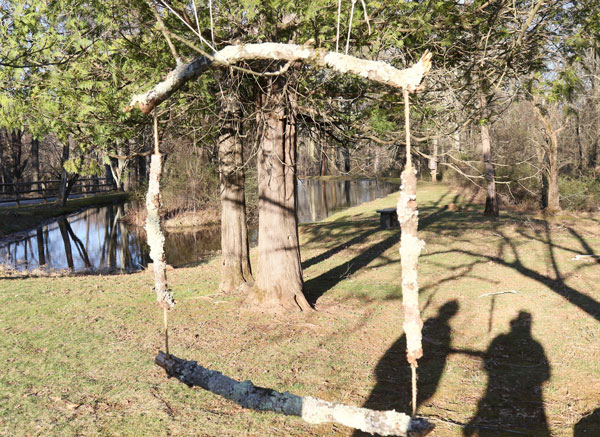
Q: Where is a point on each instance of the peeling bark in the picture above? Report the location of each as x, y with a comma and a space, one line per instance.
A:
410, 249
156, 239
377, 71
312, 410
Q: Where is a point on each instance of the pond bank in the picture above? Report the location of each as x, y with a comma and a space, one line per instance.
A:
17, 219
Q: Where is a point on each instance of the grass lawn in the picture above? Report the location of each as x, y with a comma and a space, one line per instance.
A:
77, 352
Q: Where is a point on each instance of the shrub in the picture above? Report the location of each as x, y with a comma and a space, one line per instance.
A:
579, 194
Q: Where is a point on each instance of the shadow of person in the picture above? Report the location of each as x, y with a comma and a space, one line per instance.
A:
393, 387
517, 367
589, 425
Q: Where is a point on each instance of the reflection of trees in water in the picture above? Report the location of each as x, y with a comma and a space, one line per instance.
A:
97, 238
319, 199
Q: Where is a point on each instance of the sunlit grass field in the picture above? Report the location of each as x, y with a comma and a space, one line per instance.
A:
76, 352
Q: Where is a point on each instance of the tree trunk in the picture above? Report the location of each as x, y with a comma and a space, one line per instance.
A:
346, 155
323, 166
235, 258
580, 150
491, 201
433, 161
312, 410
35, 156
63, 189
279, 281
553, 191
551, 149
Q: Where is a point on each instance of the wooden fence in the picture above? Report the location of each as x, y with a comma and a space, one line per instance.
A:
44, 190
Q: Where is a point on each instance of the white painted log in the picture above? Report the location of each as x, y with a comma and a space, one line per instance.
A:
377, 71
312, 410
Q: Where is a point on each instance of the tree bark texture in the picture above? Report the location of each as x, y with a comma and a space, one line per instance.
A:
433, 161
491, 200
553, 191
552, 203
235, 257
312, 410
279, 281
410, 249
377, 71
154, 234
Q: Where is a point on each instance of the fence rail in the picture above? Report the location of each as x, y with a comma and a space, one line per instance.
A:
20, 191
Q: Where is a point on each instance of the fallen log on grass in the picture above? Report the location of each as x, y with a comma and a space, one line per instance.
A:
310, 409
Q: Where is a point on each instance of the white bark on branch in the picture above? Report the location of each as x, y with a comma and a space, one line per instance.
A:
312, 410
377, 71
155, 236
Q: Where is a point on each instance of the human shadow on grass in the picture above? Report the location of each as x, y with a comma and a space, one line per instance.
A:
393, 387
589, 425
517, 367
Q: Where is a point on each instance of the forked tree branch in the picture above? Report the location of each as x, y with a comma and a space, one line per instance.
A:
376, 71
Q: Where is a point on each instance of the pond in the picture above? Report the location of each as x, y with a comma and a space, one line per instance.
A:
96, 239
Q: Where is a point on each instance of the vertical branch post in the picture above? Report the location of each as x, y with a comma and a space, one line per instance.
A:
154, 233
410, 248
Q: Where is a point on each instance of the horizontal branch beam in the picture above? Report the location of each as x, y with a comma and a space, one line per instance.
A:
310, 409
376, 71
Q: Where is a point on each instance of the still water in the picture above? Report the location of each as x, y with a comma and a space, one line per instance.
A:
96, 239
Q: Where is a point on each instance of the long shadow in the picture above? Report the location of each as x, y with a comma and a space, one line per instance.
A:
517, 367
329, 253
589, 425
393, 387
314, 288
588, 249
584, 302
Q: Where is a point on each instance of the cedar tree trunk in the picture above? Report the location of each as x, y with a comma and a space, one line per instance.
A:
279, 281
235, 259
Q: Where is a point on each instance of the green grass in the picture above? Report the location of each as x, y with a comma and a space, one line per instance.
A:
77, 352
17, 219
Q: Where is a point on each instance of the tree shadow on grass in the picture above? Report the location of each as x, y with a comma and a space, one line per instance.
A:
334, 250
393, 387
509, 256
314, 288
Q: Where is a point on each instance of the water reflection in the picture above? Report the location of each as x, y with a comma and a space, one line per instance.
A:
319, 199
96, 239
